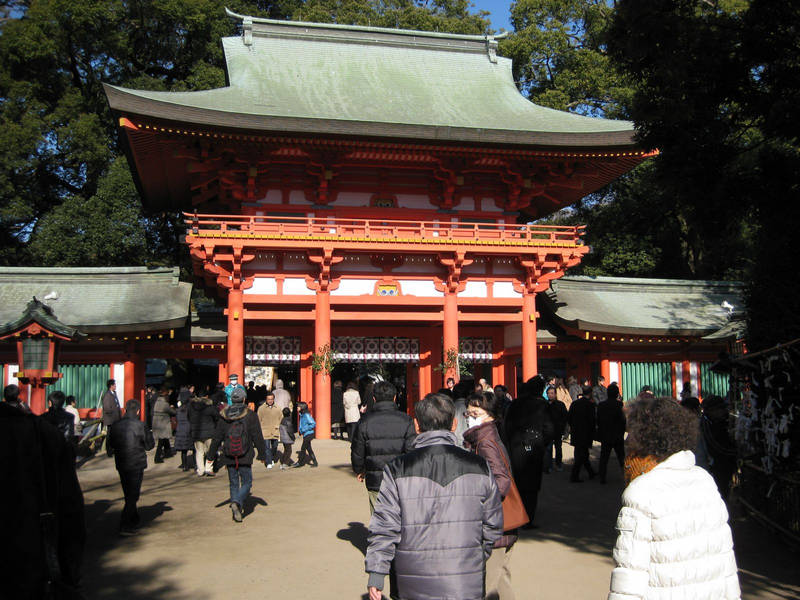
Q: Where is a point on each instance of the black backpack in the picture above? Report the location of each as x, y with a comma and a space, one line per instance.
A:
532, 439
237, 441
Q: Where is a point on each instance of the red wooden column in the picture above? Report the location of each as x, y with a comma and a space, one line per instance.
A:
222, 372
306, 393
529, 349
450, 331
323, 284
498, 367
236, 333
605, 367
426, 364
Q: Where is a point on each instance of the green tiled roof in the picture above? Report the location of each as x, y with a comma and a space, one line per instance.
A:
99, 300
38, 312
299, 77
644, 306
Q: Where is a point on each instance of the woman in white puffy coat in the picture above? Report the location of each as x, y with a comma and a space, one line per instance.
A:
674, 541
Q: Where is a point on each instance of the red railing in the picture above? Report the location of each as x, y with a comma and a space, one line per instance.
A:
382, 230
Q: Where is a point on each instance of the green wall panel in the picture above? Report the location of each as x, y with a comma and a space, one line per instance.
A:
713, 384
636, 375
85, 382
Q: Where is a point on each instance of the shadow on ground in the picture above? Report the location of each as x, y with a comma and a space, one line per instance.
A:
356, 533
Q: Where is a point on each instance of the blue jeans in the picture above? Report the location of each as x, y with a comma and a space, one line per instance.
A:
270, 450
241, 480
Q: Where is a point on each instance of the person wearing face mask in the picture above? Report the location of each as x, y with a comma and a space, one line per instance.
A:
482, 437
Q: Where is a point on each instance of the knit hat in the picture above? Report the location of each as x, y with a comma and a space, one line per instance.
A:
238, 396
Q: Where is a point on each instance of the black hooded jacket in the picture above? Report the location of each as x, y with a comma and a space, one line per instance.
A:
382, 434
129, 438
230, 414
203, 417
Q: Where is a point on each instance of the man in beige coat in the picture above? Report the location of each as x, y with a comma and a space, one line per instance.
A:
270, 415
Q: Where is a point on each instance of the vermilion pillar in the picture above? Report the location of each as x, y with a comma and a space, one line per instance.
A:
322, 387
426, 363
498, 368
236, 333
529, 354
605, 367
450, 332
222, 372
129, 367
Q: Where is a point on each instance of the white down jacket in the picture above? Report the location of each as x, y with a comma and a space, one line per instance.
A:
674, 541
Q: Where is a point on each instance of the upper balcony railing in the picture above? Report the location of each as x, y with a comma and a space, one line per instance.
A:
381, 230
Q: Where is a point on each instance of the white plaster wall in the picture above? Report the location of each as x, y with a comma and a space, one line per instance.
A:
488, 205
355, 287
10, 378
118, 375
505, 289
678, 372
263, 285
298, 197
272, 197
419, 287
614, 373
293, 286
512, 335
694, 374
474, 289
414, 201
352, 199
466, 203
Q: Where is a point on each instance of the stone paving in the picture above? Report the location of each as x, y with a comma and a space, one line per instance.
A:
304, 535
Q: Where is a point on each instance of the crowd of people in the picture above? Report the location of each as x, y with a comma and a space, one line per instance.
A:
449, 489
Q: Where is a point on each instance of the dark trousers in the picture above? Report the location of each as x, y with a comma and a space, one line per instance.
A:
270, 451
548, 455
131, 487
530, 499
306, 453
605, 453
351, 430
163, 450
581, 460
286, 457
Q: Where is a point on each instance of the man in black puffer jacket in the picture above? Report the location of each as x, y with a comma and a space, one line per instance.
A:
382, 434
203, 417
129, 439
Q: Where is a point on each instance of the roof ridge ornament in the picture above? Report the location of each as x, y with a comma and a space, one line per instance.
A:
247, 31
491, 48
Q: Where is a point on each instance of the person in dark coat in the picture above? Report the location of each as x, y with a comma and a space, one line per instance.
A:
111, 410
558, 414
714, 429
33, 452
129, 440
337, 410
382, 434
482, 438
238, 461
581, 419
58, 417
183, 435
611, 430
150, 398
162, 425
529, 430
203, 417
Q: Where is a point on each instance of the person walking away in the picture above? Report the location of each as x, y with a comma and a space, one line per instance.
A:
283, 399
162, 425
203, 417
562, 393
269, 416
130, 439
306, 429
41, 506
600, 391
581, 419
58, 417
383, 434
233, 384
72, 409
183, 433
111, 408
482, 438
453, 493
460, 393
337, 411
574, 388
150, 398
673, 538
529, 430
558, 415
351, 401
721, 450
286, 432
611, 430
238, 432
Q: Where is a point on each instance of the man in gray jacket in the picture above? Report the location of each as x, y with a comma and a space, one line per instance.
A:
437, 515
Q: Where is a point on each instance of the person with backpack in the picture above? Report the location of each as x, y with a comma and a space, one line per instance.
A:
582, 422
239, 433
286, 435
307, 429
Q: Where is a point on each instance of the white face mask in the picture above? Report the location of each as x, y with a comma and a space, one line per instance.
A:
473, 422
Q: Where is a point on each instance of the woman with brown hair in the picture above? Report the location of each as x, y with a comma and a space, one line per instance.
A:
674, 539
483, 438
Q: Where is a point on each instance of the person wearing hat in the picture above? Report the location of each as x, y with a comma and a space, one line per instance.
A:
233, 384
239, 434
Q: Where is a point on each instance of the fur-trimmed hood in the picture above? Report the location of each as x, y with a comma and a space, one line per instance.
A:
234, 412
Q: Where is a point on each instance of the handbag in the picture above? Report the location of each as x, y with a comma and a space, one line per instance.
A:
514, 513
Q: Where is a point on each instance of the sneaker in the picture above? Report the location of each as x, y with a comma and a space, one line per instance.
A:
200, 474
283, 467
270, 465
210, 474
236, 512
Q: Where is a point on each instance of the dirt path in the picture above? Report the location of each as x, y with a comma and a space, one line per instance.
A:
305, 534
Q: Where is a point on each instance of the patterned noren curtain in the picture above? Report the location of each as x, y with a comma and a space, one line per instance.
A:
378, 349
271, 350
476, 349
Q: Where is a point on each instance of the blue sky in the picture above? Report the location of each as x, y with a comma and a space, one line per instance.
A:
499, 10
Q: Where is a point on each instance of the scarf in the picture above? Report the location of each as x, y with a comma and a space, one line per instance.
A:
638, 465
